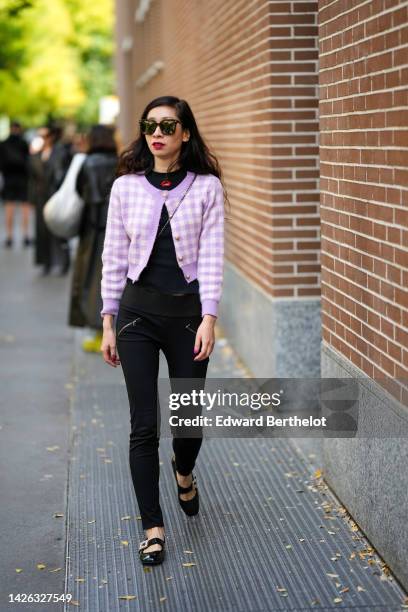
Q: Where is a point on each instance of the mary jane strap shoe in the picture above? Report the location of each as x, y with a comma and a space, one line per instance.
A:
152, 557
189, 506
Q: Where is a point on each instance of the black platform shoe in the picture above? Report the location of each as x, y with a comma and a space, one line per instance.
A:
156, 556
190, 506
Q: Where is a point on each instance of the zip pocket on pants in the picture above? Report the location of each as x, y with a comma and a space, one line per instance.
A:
193, 331
132, 323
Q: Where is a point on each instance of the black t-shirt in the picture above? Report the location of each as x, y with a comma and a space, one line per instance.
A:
162, 271
161, 287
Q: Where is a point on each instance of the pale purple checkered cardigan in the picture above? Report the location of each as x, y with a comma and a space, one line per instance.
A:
197, 227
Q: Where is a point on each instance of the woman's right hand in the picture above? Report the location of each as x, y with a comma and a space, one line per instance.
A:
108, 347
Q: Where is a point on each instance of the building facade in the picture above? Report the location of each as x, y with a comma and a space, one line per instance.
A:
363, 74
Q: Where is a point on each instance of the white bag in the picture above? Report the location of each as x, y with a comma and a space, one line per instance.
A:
63, 211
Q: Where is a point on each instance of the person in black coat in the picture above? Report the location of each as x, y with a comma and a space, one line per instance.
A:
93, 184
47, 172
14, 160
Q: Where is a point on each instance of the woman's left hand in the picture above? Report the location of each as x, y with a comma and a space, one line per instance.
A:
206, 337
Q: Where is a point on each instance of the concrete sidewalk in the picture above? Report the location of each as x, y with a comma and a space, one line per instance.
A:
36, 359
269, 536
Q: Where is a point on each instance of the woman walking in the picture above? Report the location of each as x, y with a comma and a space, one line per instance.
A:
93, 184
162, 278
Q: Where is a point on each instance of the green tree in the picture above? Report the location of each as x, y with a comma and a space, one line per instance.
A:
93, 39
55, 58
12, 30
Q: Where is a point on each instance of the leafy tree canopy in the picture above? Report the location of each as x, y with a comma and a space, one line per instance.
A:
55, 59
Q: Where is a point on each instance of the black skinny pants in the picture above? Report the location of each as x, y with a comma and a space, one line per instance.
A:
139, 338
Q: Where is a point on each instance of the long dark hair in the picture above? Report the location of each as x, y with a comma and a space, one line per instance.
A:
195, 155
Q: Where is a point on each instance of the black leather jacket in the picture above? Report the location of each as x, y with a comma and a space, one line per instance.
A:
94, 183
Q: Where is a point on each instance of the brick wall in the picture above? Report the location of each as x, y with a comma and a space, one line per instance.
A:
364, 185
249, 70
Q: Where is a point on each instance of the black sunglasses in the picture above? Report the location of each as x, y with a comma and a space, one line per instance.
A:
167, 126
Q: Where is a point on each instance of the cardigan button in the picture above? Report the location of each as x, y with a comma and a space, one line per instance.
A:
177, 237
188, 276
180, 258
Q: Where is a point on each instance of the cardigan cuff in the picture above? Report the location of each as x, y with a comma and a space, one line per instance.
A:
209, 307
110, 306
